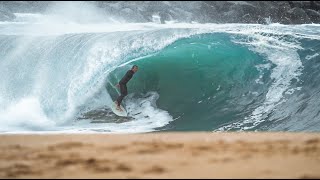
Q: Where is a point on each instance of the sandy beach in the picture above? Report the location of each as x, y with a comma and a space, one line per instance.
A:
161, 155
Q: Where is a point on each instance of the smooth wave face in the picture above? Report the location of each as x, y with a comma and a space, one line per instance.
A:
227, 77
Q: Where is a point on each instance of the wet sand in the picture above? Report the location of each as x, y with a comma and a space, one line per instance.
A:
161, 155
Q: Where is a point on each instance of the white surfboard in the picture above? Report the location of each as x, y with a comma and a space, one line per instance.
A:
117, 112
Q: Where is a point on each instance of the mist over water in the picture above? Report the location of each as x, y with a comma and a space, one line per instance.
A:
59, 69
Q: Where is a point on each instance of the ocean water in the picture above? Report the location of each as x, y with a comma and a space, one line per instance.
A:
59, 77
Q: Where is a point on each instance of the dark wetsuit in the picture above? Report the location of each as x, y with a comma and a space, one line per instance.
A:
123, 85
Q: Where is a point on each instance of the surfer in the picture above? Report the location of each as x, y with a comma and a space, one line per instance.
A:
123, 85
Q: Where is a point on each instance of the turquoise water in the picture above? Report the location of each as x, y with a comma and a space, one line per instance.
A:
198, 81
192, 77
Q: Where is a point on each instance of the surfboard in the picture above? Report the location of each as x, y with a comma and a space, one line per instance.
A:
122, 113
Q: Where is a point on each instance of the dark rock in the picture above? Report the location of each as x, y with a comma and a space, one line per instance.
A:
315, 5
313, 15
284, 12
299, 4
298, 16
241, 12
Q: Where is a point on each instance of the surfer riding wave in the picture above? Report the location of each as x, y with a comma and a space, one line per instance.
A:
123, 85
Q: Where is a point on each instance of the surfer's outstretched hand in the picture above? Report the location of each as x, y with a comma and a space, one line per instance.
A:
118, 85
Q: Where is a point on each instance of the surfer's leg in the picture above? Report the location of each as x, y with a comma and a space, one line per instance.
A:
123, 91
119, 100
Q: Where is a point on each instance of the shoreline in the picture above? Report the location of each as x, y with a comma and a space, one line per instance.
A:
161, 155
